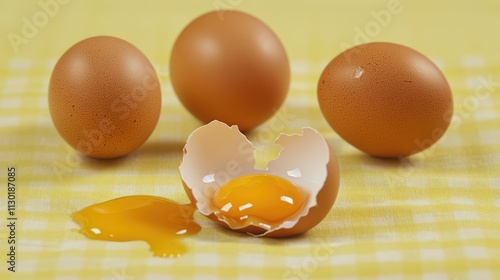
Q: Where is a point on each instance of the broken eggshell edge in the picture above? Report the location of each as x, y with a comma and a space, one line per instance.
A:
217, 153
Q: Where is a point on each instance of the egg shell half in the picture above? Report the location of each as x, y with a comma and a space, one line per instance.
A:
216, 153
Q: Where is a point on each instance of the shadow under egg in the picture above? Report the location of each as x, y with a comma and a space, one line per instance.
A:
149, 151
378, 162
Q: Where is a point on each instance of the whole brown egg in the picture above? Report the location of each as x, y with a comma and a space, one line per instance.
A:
231, 67
385, 99
104, 97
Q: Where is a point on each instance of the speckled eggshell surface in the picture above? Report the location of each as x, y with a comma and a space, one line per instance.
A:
104, 97
385, 99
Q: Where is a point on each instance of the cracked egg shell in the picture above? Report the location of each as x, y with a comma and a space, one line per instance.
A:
216, 153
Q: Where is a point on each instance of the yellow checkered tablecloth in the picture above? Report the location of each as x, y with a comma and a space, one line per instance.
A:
435, 215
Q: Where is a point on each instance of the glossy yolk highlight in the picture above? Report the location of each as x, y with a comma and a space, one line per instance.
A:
158, 221
265, 198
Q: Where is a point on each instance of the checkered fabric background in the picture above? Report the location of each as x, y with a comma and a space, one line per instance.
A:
435, 215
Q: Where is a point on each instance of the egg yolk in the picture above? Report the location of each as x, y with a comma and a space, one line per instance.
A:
266, 197
158, 221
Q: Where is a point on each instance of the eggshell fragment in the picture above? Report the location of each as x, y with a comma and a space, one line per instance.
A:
216, 153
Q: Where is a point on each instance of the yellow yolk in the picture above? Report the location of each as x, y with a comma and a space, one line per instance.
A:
158, 221
265, 197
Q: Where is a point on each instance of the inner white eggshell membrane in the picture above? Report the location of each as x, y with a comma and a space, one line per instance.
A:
215, 154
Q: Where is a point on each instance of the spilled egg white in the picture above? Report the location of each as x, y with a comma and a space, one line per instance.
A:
216, 153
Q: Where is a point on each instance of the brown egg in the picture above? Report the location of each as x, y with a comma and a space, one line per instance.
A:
216, 155
104, 97
229, 66
385, 99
